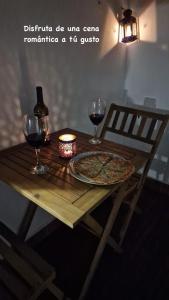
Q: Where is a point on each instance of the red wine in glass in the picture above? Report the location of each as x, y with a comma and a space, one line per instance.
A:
96, 118
96, 114
35, 140
35, 131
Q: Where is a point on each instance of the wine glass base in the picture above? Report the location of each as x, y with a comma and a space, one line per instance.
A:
95, 141
40, 169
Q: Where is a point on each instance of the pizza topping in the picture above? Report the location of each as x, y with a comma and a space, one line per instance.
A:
104, 168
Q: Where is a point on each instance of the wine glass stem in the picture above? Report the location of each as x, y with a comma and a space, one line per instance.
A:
95, 132
37, 151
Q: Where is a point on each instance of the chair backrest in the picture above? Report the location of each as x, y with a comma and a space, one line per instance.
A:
142, 125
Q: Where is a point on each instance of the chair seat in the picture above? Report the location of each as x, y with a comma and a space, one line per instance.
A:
24, 273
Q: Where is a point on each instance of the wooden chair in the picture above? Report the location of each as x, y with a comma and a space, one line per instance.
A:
22, 271
139, 125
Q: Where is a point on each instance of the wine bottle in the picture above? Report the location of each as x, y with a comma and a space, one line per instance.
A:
41, 110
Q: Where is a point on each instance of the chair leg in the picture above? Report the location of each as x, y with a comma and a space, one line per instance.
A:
27, 220
129, 216
93, 225
56, 291
103, 241
96, 229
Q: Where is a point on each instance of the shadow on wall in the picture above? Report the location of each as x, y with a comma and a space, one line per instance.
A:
10, 112
57, 81
106, 81
148, 60
25, 86
19, 73
69, 82
147, 73
65, 71
61, 76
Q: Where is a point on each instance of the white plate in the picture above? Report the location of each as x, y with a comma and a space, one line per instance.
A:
86, 179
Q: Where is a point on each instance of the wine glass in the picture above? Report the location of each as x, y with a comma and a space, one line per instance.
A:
97, 110
35, 131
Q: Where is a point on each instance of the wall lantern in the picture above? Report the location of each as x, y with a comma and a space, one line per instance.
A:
128, 28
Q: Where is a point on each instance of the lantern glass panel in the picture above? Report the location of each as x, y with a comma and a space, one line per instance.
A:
128, 30
134, 29
121, 33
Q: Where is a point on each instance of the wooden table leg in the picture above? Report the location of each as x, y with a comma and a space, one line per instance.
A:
105, 235
95, 228
27, 220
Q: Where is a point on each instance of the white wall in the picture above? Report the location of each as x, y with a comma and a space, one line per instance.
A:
147, 74
71, 75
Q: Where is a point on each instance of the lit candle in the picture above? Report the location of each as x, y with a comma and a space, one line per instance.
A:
67, 145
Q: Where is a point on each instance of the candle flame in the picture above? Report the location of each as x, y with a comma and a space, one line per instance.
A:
67, 137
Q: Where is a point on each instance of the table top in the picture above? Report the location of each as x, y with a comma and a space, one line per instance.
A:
57, 192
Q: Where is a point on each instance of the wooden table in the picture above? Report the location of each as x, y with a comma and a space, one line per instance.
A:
57, 192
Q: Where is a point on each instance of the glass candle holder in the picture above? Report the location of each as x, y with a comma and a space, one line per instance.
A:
67, 145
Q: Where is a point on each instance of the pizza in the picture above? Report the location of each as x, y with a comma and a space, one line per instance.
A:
103, 168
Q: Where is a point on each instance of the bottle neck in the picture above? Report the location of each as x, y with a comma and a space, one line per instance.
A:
40, 101
39, 95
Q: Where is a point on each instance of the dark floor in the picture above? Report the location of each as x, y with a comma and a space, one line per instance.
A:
141, 272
